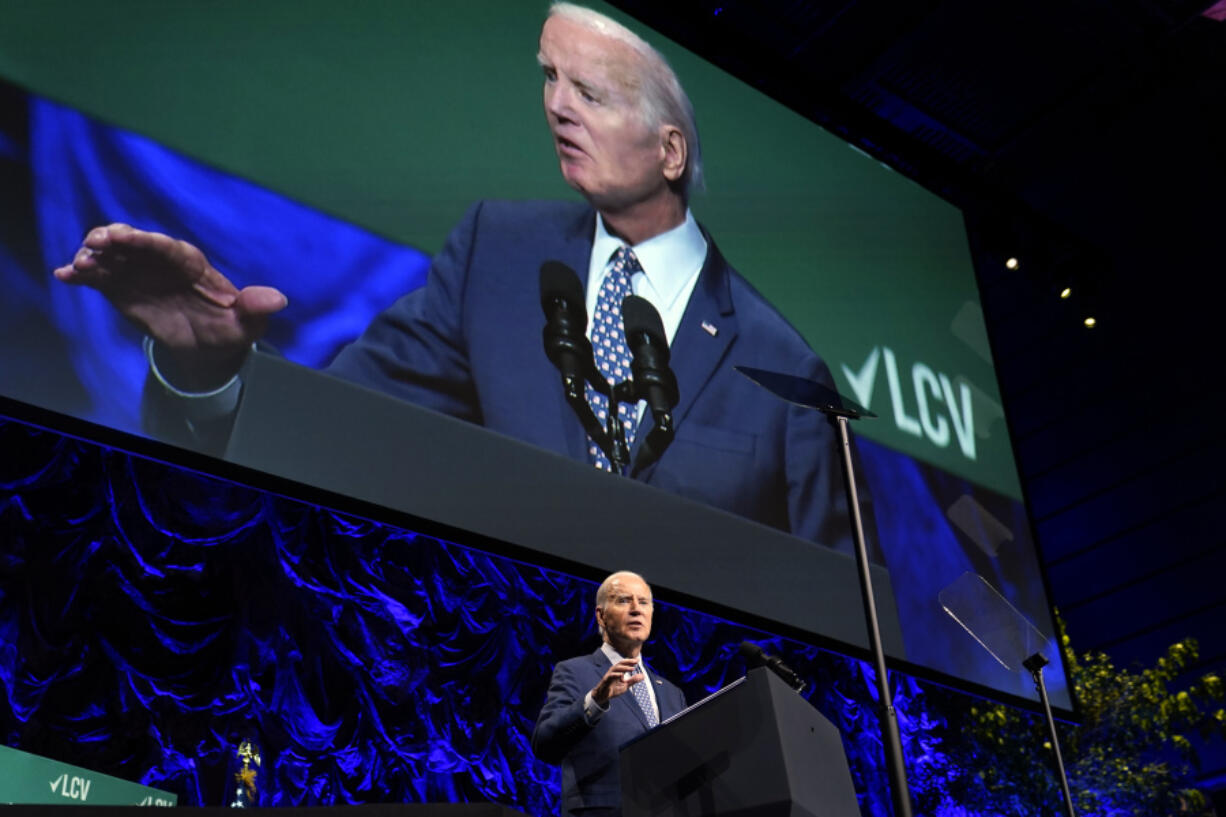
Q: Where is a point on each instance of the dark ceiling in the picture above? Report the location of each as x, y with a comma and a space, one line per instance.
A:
1104, 117
1088, 138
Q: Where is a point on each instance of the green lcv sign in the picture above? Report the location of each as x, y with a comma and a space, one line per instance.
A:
30, 779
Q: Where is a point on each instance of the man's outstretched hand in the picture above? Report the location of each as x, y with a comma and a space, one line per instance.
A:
168, 288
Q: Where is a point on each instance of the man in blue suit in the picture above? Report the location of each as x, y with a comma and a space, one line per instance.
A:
587, 714
468, 343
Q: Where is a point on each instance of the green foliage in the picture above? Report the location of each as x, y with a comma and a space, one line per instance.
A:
1129, 755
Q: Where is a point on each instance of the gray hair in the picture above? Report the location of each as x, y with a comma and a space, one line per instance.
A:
663, 100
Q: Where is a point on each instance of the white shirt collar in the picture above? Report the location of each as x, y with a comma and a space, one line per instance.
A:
670, 260
614, 656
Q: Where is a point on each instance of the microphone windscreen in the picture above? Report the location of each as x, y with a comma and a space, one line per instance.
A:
638, 315
753, 653
560, 281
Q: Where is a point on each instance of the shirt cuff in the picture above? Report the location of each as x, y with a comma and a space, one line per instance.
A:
199, 406
592, 711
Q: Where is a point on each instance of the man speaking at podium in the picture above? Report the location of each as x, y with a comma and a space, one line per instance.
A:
587, 714
468, 342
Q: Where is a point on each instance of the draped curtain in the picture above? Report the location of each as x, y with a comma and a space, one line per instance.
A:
152, 617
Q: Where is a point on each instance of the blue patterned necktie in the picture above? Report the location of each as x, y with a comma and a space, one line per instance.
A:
644, 698
609, 345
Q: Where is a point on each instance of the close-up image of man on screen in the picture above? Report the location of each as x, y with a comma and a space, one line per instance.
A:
468, 342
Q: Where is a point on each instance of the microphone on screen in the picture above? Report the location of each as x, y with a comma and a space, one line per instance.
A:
653, 380
565, 332
568, 348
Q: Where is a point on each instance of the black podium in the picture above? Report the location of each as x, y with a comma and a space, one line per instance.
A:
754, 748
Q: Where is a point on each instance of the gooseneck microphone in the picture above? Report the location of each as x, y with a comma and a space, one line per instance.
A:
653, 380
565, 333
568, 348
755, 656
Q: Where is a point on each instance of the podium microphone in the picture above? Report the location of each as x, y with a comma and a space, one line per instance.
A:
755, 656
565, 333
654, 381
568, 348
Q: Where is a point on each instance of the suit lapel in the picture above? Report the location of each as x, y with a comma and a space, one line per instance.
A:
664, 699
707, 329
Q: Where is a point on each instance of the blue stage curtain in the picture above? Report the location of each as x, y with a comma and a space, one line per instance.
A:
152, 617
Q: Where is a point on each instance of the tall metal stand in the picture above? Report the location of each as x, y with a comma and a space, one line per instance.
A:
839, 410
888, 717
1035, 664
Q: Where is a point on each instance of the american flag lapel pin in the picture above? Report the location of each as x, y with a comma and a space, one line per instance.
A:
710, 328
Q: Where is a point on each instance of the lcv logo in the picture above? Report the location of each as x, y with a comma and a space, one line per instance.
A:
941, 413
150, 800
74, 788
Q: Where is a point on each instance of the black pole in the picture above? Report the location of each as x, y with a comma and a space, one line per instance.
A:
1035, 664
887, 716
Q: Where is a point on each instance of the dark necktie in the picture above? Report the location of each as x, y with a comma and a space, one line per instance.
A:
609, 345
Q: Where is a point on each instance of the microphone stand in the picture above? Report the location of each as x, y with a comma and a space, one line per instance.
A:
610, 437
838, 411
576, 398
618, 451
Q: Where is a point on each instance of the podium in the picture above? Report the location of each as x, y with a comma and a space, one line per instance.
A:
753, 748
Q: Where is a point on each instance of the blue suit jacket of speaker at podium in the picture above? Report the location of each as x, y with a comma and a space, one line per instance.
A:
468, 343
591, 773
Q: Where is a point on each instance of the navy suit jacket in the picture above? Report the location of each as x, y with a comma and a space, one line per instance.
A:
591, 774
468, 343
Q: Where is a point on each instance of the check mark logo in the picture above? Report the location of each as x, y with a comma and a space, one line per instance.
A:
862, 382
